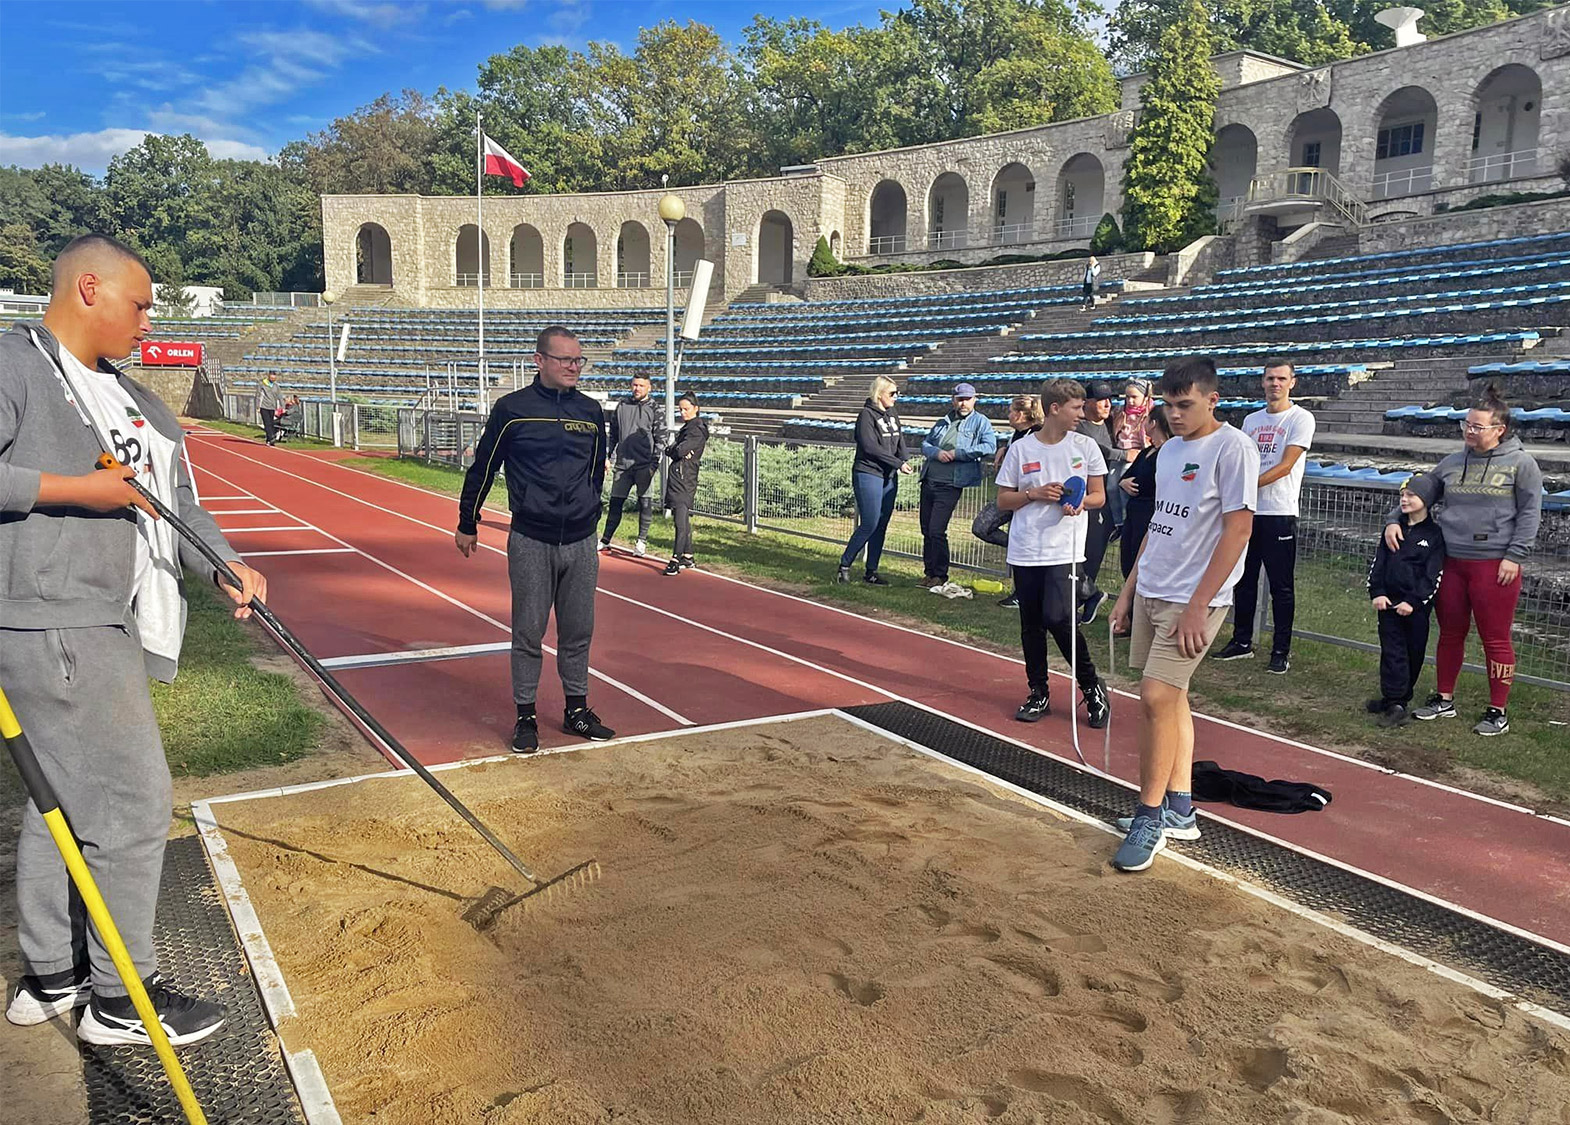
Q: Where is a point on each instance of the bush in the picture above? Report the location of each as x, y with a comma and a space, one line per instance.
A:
1502, 199
824, 263
1108, 238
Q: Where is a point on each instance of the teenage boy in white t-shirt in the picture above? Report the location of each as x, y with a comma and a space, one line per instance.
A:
1282, 432
1176, 597
1046, 539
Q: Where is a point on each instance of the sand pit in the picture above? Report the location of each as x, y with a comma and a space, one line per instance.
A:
804, 922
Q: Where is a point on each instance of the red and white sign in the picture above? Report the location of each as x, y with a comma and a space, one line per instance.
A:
171, 353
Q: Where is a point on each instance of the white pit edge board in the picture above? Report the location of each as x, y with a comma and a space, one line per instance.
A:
311, 1084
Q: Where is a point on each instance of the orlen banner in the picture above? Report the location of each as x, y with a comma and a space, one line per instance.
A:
171, 353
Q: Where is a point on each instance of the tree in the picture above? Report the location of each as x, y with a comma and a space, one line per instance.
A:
824, 263
22, 267
173, 301
382, 148
1169, 193
1108, 238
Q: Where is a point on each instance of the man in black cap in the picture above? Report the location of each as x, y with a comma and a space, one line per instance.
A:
1099, 427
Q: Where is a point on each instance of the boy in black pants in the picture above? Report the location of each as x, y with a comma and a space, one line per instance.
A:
1402, 585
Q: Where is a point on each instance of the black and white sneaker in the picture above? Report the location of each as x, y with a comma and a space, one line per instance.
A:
39, 999
1097, 706
1090, 607
1009, 602
672, 568
843, 576
1235, 651
111, 1021
874, 579
526, 734
1436, 707
1279, 663
1031, 711
586, 724
1494, 721
687, 562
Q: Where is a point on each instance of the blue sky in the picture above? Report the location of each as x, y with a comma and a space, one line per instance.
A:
82, 81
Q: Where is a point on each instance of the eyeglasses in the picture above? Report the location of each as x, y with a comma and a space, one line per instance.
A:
1474, 428
567, 360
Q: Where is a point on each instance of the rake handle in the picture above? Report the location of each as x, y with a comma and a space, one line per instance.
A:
330, 685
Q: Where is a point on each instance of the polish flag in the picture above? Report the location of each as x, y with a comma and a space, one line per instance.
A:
499, 162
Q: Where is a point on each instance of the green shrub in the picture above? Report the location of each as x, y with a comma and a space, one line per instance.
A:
1108, 238
824, 263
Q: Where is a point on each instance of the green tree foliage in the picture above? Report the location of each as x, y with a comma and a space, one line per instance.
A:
22, 265
824, 263
1169, 193
1108, 238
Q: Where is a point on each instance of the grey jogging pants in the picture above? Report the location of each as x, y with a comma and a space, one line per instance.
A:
546, 576
81, 696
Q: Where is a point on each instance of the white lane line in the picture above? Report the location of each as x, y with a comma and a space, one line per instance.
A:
646, 700
303, 551
296, 527
209, 499
414, 655
240, 511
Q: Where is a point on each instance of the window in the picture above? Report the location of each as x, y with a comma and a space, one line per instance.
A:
1003, 204
937, 212
1311, 154
1068, 200
1477, 130
1399, 140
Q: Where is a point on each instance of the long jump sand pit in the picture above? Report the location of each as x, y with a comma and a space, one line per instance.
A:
806, 922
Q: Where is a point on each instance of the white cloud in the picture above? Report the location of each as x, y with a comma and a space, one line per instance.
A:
569, 16
378, 13
38, 115
93, 151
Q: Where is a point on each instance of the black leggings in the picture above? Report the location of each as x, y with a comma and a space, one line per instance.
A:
681, 514
1046, 603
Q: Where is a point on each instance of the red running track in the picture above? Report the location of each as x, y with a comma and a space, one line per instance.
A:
364, 567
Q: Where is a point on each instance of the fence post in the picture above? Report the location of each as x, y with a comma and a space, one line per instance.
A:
354, 423
749, 483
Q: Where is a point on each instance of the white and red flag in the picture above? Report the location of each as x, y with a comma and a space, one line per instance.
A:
499, 162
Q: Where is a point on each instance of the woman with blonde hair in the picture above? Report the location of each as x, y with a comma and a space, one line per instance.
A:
874, 476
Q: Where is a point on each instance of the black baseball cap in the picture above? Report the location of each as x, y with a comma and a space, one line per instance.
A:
1099, 390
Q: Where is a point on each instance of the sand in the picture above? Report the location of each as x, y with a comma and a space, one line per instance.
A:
806, 923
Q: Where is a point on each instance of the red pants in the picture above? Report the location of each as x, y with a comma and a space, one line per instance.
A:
1470, 589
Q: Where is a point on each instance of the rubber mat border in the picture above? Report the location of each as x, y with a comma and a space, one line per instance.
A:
238, 1074
1517, 965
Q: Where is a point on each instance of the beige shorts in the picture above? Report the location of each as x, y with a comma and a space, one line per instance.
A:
1155, 649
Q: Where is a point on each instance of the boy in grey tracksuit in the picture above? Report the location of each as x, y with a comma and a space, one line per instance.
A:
74, 570
637, 440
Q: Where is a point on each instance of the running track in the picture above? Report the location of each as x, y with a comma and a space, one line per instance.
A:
364, 570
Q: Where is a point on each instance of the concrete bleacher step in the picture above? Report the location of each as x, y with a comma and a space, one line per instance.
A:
1336, 246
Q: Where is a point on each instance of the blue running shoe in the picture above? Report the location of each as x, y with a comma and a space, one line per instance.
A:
1145, 838
1177, 827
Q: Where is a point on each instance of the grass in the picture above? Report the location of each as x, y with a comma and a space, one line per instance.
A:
240, 429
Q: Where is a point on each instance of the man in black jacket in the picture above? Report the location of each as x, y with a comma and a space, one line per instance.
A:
637, 440
549, 441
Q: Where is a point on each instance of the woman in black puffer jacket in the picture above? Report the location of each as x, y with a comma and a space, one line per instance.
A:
685, 453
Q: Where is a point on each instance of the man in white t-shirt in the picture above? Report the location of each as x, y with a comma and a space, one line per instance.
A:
1283, 432
1046, 540
1176, 597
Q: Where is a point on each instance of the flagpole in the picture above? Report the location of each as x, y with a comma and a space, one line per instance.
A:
479, 237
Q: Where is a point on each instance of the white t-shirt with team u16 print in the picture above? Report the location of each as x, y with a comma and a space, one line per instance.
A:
1040, 534
1272, 434
1198, 481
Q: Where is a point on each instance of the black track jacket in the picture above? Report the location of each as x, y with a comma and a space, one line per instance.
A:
551, 447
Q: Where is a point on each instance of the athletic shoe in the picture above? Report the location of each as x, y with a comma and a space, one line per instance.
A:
843, 577
586, 724
1115, 534
640, 547
687, 562
1176, 827
1376, 706
874, 579
1097, 705
1010, 602
1493, 722
526, 734
111, 1021
1138, 851
1090, 607
928, 581
1435, 708
674, 567
1039, 704
38, 999
1394, 716
1235, 651
1279, 663
605, 545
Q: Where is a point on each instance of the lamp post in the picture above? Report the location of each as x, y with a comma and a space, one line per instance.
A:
672, 210
328, 297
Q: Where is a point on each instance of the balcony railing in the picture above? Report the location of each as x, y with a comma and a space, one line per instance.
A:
528, 281
1077, 228
1230, 210
1006, 234
1501, 166
1408, 181
684, 279
947, 239
470, 280
1306, 185
632, 281
581, 280
887, 244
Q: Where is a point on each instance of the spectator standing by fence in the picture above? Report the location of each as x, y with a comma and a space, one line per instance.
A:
1283, 432
1099, 424
1402, 584
1490, 506
637, 439
991, 524
269, 401
1139, 486
685, 455
874, 477
953, 448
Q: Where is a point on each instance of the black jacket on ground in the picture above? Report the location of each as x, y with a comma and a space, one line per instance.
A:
1410, 574
880, 441
685, 453
551, 447
1248, 791
637, 433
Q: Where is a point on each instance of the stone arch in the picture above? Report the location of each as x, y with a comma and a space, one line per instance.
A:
469, 261
1235, 159
1404, 133
948, 212
689, 248
834, 245
373, 255
1314, 140
580, 257
526, 258
776, 249
888, 211
632, 255
1013, 196
1081, 190
1507, 109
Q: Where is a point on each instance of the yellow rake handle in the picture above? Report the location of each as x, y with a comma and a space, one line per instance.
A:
43, 796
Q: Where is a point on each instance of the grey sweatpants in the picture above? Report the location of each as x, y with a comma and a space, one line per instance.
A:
546, 576
81, 697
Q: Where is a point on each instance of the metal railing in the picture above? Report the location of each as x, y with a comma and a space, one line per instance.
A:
1077, 228
1501, 166
1310, 185
947, 239
439, 437
1007, 234
1409, 181
581, 280
281, 300
470, 280
683, 279
632, 281
527, 280
887, 244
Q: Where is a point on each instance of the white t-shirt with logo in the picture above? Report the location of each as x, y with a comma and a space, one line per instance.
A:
1272, 433
1040, 534
1197, 482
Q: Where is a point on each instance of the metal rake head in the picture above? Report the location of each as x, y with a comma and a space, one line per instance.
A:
484, 911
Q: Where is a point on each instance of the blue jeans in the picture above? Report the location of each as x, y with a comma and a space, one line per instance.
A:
874, 508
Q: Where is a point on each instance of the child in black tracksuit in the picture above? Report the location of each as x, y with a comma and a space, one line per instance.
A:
1402, 585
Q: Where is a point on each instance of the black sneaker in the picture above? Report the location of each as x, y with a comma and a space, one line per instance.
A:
1376, 706
1236, 651
875, 579
1097, 705
526, 735
1090, 607
1279, 663
111, 1021
1394, 716
586, 724
1032, 709
687, 562
39, 999
671, 568
1009, 602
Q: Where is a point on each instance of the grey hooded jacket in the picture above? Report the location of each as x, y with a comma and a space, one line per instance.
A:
1490, 504
63, 568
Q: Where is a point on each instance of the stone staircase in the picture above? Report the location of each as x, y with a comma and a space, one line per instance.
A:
1336, 246
1361, 410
